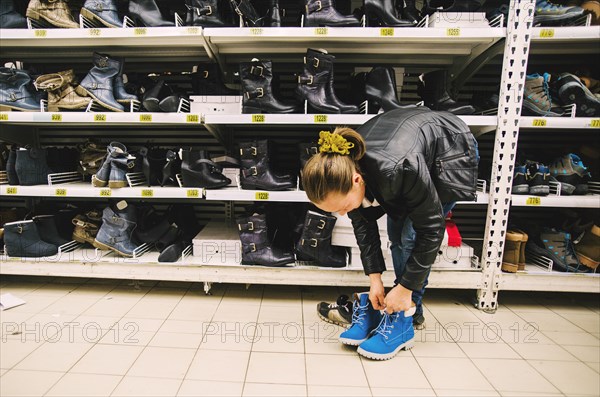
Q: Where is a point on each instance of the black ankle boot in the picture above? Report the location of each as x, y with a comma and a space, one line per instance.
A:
204, 13
171, 168
256, 173
306, 150
32, 167
323, 13
432, 87
257, 90
409, 11
315, 241
385, 12
257, 247
153, 162
161, 98
247, 12
147, 13
207, 81
198, 170
47, 230
380, 88
22, 240
11, 169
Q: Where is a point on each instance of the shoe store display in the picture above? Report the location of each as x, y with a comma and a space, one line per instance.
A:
9, 17
257, 246
548, 13
338, 313
102, 12
571, 173
364, 320
257, 173
53, 12
315, 241
323, 13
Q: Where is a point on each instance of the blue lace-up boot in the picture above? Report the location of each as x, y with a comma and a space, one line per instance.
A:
364, 320
394, 333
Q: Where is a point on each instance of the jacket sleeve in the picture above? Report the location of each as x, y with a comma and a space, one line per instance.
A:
369, 242
425, 210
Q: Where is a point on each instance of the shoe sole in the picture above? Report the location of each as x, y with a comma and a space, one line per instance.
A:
520, 189
541, 190
510, 267
531, 110
32, 14
566, 189
572, 92
117, 184
102, 246
95, 18
352, 342
409, 344
327, 320
82, 91
8, 108
588, 262
98, 182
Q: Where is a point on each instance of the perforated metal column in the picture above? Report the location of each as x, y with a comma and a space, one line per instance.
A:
516, 52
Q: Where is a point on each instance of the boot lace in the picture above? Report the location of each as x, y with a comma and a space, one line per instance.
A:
387, 324
570, 253
359, 312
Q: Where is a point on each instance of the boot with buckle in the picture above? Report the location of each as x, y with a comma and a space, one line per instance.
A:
62, 94
9, 18
117, 229
99, 82
256, 172
315, 241
32, 167
119, 167
54, 12
395, 332
257, 90
17, 92
103, 12
207, 81
321, 59
364, 320
22, 240
323, 13
257, 247
115, 150
147, 13
204, 13
86, 227
198, 170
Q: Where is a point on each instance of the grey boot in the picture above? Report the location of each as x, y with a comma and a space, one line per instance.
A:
9, 18
31, 167
22, 240
122, 96
121, 163
99, 82
116, 231
16, 91
103, 12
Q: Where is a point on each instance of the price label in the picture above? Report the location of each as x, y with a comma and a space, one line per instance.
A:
193, 193
145, 118
261, 196
147, 192
60, 192
547, 33
386, 32
320, 118
453, 32
192, 118
193, 30
256, 31
539, 122
105, 192
11, 190
56, 117
321, 31
95, 32
258, 118
533, 201
140, 31
40, 33
594, 123
3, 117
101, 118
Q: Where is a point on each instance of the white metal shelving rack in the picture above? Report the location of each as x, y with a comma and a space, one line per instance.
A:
438, 47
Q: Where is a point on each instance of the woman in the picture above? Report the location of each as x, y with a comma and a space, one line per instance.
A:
413, 165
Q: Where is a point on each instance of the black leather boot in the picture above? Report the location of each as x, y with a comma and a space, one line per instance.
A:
256, 173
198, 170
147, 13
47, 230
274, 14
100, 80
257, 248
103, 12
248, 13
315, 241
32, 167
207, 81
385, 13
11, 169
9, 18
171, 168
432, 87
257, 90
408, 10
121, 95
204, 13
324, 60
17, 92
153, 162
380, 88
151, 227
22, 240
155, 94
307, 150
323, 13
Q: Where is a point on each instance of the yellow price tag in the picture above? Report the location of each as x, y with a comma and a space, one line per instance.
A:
100, 118
539, 122
145, 118
105, 192
261, 196
321, 31
11, 190
60, 192
256, 31
193, 30
40, 33
3, 117
147, 193
533, 201
547, 33
192, 118
95, 32
258, 118
453, 32
140, 31
193, 193
386, 32
595, 123
320, 118
56, 117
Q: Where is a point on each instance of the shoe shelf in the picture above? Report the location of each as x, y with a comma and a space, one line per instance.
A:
587, 201
565, 40
559, 122
537, 279
93, 118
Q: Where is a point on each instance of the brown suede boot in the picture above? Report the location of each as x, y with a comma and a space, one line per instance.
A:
54, 12
512, 251
61, 91
588, 248
86, 227
524, 238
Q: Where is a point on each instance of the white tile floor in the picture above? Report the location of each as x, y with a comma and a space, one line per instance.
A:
80, 337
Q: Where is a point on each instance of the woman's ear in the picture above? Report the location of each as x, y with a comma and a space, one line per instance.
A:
357, 179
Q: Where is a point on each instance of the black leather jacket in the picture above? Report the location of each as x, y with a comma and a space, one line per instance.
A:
416, 160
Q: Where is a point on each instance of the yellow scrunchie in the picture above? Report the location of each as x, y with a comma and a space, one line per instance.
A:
334, 143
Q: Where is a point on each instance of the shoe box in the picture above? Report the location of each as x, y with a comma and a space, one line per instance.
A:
218, 244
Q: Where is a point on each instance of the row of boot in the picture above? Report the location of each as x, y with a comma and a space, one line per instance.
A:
28, 166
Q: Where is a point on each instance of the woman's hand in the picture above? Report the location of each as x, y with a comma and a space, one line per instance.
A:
399, 299
377, 292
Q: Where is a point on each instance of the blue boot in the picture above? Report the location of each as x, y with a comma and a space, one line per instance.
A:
103, 12
364, 320
394, 333
116, 230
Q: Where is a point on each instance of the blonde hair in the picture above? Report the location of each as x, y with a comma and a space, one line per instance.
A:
330, 171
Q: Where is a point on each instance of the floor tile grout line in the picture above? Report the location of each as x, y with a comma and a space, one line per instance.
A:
304, 340
262, 297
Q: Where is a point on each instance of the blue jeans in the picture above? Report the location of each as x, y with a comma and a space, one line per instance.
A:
402, 237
